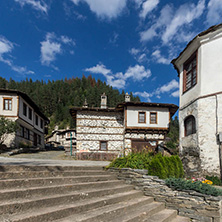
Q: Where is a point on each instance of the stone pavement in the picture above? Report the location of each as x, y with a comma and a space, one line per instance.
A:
48, 162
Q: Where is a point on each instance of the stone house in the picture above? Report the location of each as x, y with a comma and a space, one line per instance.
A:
18, 106
105, 133
62, 138
199, 69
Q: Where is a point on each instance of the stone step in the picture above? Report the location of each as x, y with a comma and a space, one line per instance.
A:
164, 215
36, 174
139, 214
181, 219
61, 211
16, 168
112, 212
12, 194
20, 205
51, 181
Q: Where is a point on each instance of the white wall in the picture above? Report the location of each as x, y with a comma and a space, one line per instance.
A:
162, 117
14, 110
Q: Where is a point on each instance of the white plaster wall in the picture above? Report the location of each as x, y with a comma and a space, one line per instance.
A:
14, 110
195, 91
211, 67
162, 117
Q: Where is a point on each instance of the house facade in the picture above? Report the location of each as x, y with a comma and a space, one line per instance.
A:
18, 107
62, 138
199, 68
105, 133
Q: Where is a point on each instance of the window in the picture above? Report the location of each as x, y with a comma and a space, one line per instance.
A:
22, 131
190, 73
190, 125
36, 120
30, 113
39, 139
103, 145
142, 117
24, 109
153, 118
41, 123
7, 104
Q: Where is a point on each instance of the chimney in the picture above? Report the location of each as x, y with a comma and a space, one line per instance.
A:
103, 101
85, 104
127, 97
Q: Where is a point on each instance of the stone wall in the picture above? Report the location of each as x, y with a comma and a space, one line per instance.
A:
92, 127
197, 206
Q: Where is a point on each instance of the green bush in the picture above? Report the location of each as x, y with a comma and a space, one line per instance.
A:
133, 160
215, 180
181, 184
170, 167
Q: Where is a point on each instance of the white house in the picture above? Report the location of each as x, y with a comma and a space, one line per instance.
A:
17, 106
105, 133
199, 68
62, 138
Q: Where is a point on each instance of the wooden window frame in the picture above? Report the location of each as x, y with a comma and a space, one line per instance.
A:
100, 145
193, 122
155, 115
185, 65
41, 123
140, 112
9, 99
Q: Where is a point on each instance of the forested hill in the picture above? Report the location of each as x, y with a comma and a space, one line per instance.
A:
56, 97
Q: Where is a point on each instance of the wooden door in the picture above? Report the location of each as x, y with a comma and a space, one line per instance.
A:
144, 146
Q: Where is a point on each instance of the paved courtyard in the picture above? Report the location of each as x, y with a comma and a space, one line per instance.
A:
52, 158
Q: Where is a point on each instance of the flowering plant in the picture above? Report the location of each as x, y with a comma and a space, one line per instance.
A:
202, 179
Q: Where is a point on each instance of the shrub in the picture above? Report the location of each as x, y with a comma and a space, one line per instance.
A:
181, 184
215, 180
133, 160
170, 167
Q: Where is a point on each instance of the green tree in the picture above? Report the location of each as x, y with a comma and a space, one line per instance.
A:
6, 127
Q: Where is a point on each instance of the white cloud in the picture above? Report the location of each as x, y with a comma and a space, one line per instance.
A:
52, 46
147, 7
37, 5
214, 13
137, 72
139, 55
114, 38
165, 89
168, 87
144, 94
6, 48
119, 79
169, 25
184, 15
176, 93
99, 69
159, 58
105, 8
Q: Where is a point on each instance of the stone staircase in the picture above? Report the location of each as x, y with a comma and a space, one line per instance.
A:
65, 194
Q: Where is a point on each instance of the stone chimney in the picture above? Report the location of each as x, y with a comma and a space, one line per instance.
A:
127, 97
103, 101
85, 104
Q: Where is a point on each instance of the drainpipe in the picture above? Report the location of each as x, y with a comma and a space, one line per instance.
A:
70, 143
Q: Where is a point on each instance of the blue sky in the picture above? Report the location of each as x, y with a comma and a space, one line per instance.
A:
127, 43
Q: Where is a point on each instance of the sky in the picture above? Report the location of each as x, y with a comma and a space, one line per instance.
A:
129, 44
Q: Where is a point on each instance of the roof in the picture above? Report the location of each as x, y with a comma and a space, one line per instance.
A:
27, 99
209, 30
172, 107
120, 107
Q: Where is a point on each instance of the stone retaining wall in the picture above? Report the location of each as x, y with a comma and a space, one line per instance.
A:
197, 206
